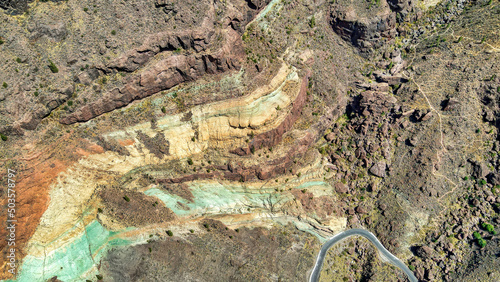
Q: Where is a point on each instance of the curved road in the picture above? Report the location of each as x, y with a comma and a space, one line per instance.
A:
368, 235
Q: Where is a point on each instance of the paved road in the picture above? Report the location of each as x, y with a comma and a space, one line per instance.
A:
368, 235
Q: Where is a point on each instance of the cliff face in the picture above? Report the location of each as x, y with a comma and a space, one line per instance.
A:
200, 139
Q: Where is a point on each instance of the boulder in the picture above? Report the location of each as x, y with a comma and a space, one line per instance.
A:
389, 79
330, 137
450, 104
479, 169
340, 188
361, 210
425, 252
378, 169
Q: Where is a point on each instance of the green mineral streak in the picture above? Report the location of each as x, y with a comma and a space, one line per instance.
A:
309, 229
216, 197
273, 5
274, 98
73, 261
312, 184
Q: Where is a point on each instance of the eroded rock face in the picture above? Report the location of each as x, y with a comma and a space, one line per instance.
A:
273, 137
364, 28
198, 39
244, 142
15, 6
164, 75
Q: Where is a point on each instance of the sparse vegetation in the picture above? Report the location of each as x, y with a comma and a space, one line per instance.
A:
53, 68
488, 227
480, 240
312, 22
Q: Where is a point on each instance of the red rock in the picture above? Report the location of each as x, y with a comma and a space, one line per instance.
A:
162, 76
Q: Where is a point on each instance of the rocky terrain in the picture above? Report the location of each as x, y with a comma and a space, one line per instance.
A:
226, 140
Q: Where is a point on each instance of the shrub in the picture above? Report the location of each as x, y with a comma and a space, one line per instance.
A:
170, 233
411, 267
126, 198
99, 210
191, 230
3, 137
252, 150
5, 85
18, 60
53, 68
190, 161
70, 103
489, 228
312, 22
113, 32
476, 235
1, 41
36, 93
99, 277
163, 109
481, 242
482, 182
